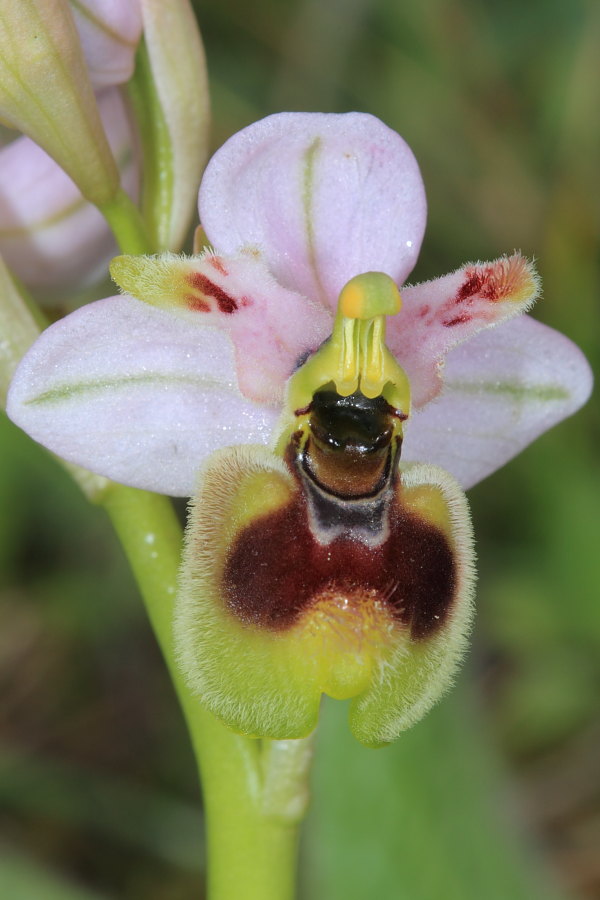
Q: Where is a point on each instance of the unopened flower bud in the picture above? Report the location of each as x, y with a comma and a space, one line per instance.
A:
46, 93
50, 236
109, 31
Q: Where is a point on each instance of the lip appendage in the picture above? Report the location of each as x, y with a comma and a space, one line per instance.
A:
325, 566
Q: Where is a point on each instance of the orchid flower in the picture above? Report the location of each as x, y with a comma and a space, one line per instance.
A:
326, 552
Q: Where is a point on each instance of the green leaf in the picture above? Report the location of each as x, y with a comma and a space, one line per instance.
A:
425, 818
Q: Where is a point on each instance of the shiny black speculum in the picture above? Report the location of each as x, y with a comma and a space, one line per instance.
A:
355, 423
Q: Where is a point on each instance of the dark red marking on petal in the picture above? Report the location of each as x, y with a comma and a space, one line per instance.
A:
225, 302
196, 304
276, 569
217, 263
457, 320
424, 311
488, 282
472, 285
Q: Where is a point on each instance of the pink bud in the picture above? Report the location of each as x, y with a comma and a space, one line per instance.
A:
50, 236
109, 31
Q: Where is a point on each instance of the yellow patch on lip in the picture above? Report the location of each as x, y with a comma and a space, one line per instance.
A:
352, 628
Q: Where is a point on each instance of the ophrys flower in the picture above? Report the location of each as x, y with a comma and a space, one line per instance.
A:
322, 564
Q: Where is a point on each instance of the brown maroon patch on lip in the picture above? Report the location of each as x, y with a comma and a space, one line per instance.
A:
225, 302
275, 569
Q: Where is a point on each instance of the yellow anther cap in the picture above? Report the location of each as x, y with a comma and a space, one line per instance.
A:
368, 295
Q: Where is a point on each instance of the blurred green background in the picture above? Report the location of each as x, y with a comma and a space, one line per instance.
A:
497, 794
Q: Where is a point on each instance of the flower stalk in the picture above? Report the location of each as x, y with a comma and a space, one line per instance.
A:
254, 792
127, 224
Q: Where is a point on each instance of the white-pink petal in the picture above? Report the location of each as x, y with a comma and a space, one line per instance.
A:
502, 389
439, 314
49, 235
271, 328
321, 197
109, 31
135, 394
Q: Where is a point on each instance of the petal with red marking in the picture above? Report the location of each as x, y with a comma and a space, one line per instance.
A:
271, 328
440, 314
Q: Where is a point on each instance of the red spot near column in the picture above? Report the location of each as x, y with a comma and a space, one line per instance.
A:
196, 304
200, 282
217, 263
506, 279
472, 286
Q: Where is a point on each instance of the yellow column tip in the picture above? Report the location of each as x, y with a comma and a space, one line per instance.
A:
368, 295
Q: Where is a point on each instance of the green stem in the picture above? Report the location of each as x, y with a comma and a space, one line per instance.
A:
252, 831
127, 224
285, 767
